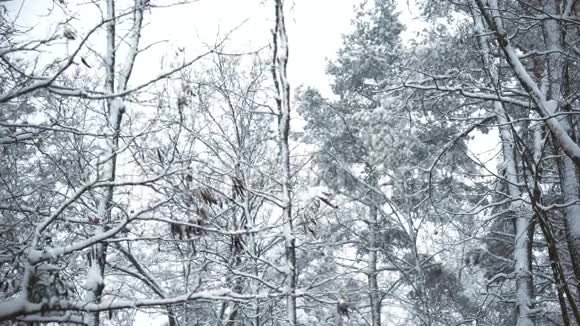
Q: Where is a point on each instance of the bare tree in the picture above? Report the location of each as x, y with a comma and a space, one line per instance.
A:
279, 73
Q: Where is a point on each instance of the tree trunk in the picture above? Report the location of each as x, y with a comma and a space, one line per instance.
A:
522, 223
280, 62
116, 109
555, 65
374, 294
569, 184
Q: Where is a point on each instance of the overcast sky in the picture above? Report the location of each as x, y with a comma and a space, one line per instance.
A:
314, 26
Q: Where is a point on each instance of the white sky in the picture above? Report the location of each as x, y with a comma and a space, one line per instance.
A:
314, 26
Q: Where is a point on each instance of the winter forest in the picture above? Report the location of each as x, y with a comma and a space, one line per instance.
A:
434, 180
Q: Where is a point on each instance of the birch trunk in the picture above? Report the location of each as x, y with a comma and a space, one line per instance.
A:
569, 185
280, 62
522, 223
522, 234
555, 65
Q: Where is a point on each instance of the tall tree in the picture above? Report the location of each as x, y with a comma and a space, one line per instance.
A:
376, 149
279, 74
